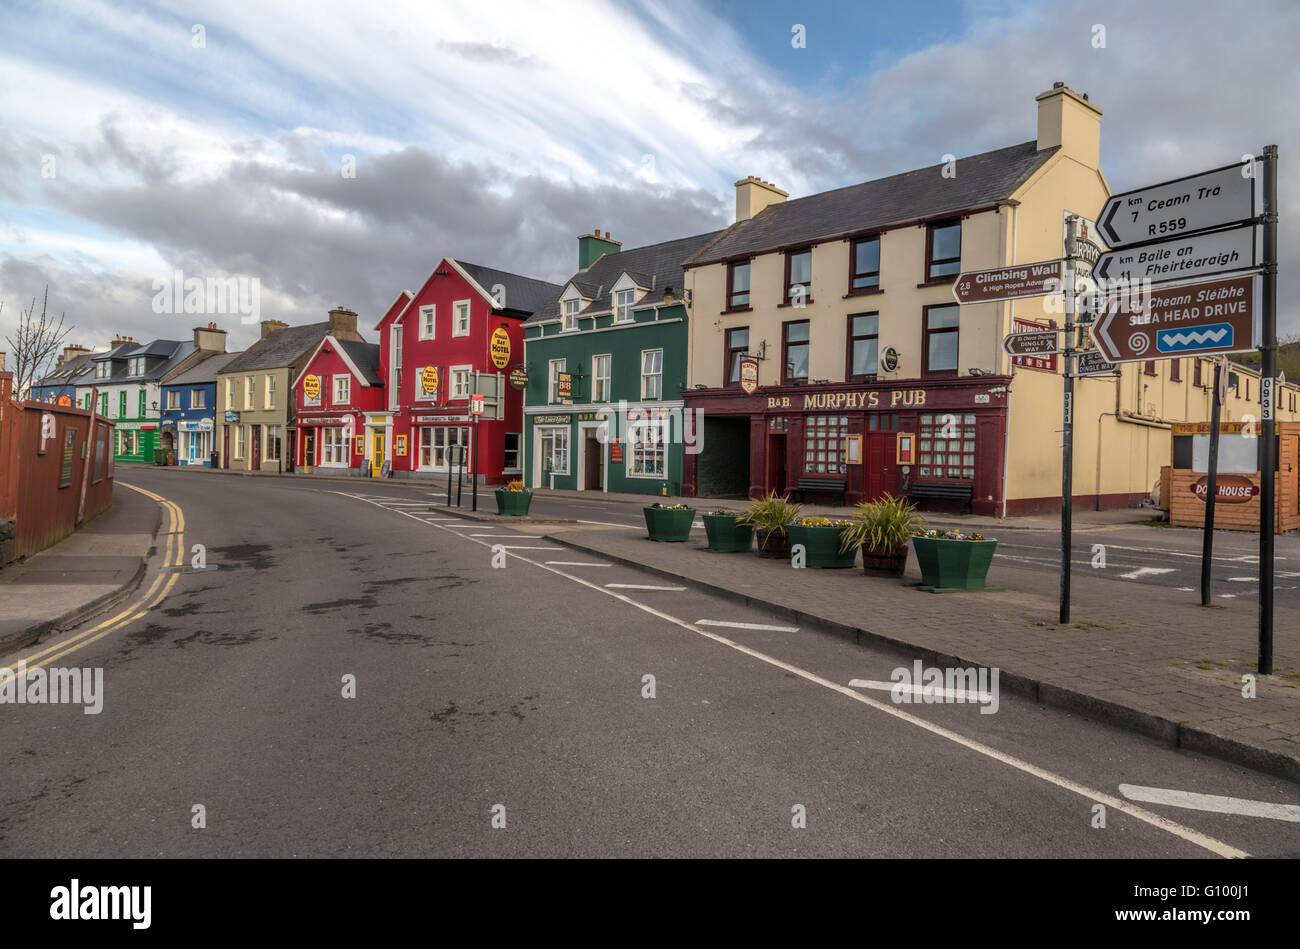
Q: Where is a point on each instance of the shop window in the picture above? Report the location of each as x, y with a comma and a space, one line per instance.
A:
332, 447
434, 442
946, 447
555, 450
737, 346
738, 285
273, 443
648, 456
823, 444
239, 441
943, 242
510, 453
798, 276
794, 351
942, 335
866, 265
864, 338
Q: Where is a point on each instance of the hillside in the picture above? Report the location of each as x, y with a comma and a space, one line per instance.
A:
1288, 359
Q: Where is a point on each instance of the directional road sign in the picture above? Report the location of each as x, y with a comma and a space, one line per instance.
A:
1009, 283
1184, 258
1179, 207
1090, 362
1189, 319
1031, 344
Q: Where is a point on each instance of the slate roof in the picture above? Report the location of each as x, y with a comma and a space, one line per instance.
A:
525, 294
205, 371
279, 349
69, 372
658, 265
980, 180
165, 354
365, 356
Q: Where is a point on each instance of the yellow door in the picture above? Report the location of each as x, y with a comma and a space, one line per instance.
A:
377, 455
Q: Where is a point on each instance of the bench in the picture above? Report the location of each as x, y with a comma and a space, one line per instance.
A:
947, 492
821, 486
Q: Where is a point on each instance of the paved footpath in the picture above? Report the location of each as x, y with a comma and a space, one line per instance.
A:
1144, 657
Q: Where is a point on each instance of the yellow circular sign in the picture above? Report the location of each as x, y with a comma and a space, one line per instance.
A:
311, 387
429, 379
500, 348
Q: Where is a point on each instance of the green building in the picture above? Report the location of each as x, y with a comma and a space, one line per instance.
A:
606, 363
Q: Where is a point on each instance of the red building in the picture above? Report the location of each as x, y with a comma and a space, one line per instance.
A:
336, 396
464, 319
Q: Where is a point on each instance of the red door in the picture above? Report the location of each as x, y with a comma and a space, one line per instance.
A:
776, 463
880, 476
255, 449
225, 446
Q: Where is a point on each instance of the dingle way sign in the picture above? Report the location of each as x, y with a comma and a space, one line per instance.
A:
1183, 258
1090, 362
1031, 344
1216, 316
1179, 207
1009, 283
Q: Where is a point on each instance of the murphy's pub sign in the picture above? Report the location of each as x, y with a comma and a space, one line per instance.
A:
847, 401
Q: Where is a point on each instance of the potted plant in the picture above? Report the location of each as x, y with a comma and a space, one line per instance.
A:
670, 523
770, 516
882, 529
820, 537
952, 560
514, 499
727, 533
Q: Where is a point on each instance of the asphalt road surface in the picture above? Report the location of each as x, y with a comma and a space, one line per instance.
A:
521, 695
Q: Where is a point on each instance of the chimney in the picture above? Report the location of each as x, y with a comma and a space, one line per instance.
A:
343, 323
118, 340
70, 353
1068, 119
592, 247
753, 195
209, 338
270, 327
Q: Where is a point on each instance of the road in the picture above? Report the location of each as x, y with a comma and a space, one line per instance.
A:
521, 695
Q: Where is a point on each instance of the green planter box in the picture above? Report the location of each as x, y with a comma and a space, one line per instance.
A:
160, 456
953, 564
669, 526
514, 503
726, 535
822, 546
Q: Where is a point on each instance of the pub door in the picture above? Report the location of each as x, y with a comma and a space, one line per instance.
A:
880, 469
776, 480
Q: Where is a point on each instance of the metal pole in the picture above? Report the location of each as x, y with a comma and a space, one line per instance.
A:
1268, 371
449, 467
473, 476
1067, 432
1211, 488
460, 471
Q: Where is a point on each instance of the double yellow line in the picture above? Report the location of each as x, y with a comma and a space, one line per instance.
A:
173, 556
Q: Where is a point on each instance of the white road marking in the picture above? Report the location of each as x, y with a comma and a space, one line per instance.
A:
511, 536
610, 524
576, 563
727, 623
1211, 802
1146, 572
1109, 800
1243, 579
1227, 596
956, 695
521, 547
641, 586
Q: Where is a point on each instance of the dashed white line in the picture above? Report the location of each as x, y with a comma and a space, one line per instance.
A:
1146, 572
731, 625
642, 586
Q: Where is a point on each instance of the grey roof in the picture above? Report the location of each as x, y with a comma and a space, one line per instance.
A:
658, 265
279, 349
524, 294
365, 356
69, 372
204, 371
925, 193
117, 352
165, 354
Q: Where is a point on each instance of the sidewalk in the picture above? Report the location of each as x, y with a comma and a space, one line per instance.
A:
94, 565
1143, 657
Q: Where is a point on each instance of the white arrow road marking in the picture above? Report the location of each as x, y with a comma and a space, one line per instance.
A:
1146, 572
641, 586
719, 622
955, 695
1211, 802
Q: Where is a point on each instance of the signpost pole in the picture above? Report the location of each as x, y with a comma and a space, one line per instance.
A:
1067, 432
473, 471
1268, 371
449, 467
1211, 484
460, 471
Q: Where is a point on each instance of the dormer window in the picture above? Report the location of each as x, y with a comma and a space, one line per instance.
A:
623, 301
571, 308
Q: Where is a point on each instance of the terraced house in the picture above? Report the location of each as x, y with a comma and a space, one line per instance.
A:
255, 407
606, 369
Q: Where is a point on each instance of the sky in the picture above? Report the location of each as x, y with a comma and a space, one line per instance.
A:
335, 152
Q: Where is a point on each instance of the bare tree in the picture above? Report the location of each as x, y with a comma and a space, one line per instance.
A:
36, 344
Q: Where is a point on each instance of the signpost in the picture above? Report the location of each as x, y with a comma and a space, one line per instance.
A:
1184, 258
475, 411
1190, 319
1090, 362
1268, 370
1009, 283
1031, 344
1212, 476
1183, 206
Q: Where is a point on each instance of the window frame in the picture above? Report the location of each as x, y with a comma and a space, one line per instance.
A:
173, 400
506, 450
335, 379
198, 398
850, 345
930, 260
923, 438
927, 333
654, 446
569, 321
429, 330
269, 394
657, 376
543, 431
464, 371
787, 286
731, 305
602, 384
854, 273
620, 308
731, 356
456, 330
786, 377
1176, 370
250, 392
554, 367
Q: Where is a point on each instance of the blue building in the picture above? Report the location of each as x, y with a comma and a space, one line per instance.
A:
189, 409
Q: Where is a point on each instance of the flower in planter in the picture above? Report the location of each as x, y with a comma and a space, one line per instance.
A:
669, 507
953, 534
515, 485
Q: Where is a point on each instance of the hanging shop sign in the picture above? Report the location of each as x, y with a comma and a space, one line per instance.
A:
519, 377
499, 348
311, 387
748, 374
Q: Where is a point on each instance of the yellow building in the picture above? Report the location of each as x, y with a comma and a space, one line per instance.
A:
255, 408
824, 328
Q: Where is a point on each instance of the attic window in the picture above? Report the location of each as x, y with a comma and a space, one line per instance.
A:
623, 301
571, 308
